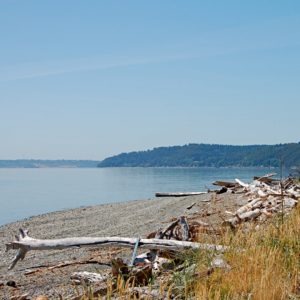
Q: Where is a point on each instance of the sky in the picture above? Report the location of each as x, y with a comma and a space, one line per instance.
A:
90, 79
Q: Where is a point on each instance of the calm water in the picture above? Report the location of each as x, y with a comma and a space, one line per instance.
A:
28, 192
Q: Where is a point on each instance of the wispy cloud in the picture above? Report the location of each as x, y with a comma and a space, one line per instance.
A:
51, 68
248, 38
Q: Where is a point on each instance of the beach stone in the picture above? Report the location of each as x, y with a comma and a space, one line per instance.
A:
11, 283
289, 202
219, 262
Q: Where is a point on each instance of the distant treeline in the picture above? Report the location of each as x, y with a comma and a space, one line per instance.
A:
35, 163
209, 155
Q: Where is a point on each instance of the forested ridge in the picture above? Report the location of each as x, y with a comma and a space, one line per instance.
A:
209, 155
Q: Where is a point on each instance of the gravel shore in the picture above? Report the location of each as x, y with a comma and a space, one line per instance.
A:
128, 219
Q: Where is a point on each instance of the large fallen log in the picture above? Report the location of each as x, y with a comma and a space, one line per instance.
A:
24, 243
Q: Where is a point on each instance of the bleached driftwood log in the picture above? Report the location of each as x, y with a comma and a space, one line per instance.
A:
24, 243
246, 216
248, 206
241, 183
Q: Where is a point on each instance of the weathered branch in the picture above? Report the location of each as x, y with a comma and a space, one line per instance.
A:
162, 233
65, 264
26, 243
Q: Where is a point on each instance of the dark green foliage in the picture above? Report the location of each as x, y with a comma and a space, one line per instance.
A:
207, 155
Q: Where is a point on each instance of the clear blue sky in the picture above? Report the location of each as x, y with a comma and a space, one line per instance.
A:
89, 79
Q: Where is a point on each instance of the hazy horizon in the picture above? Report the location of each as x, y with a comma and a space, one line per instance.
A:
139, 150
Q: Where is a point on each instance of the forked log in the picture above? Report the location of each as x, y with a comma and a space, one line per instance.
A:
161, 233
24, 243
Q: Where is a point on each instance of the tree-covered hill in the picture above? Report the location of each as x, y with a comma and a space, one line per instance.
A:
209, 155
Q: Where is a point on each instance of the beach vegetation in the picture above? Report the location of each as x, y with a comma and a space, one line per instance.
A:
264, 263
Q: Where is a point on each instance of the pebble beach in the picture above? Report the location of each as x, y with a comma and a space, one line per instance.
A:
126, 219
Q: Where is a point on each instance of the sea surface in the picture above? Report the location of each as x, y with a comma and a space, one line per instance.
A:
28, 192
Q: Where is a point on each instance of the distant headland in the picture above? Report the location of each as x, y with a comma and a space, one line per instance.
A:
209, 155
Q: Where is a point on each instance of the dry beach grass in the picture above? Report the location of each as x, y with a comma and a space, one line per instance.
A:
268, 268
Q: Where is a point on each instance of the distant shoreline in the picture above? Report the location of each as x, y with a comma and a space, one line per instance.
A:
90, 164
185, 156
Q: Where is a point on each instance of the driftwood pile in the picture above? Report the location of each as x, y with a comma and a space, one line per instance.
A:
266, 197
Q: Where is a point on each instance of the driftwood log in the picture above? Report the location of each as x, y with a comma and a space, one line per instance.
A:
183, 194
24, 243
226, 184
266, 178
246, 216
